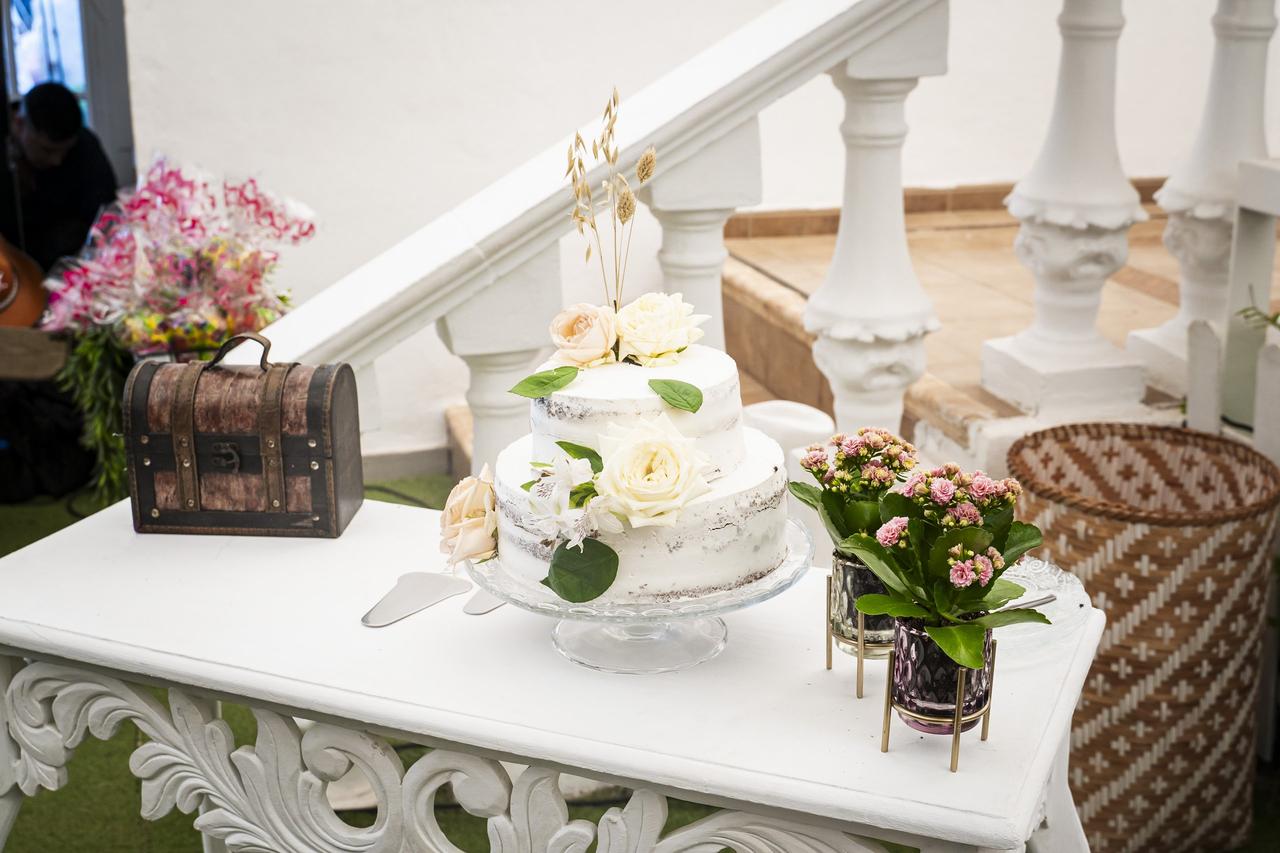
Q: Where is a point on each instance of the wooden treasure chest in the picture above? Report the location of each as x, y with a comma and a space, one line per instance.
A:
269, 450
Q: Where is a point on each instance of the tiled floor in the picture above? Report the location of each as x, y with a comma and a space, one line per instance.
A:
966, 263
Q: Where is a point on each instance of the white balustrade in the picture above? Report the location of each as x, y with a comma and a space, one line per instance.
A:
501, 333
871, 315
1201, 192
692, 201
1076, 207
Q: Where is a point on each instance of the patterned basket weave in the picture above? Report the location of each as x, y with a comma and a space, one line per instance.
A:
1169, 530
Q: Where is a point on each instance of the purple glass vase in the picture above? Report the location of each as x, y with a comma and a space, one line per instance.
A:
924, 680
851, 578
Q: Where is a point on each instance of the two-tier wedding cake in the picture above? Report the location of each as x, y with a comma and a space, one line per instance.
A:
725, 536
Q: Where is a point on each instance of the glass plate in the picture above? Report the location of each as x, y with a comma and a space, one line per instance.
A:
645, 636
1066, 613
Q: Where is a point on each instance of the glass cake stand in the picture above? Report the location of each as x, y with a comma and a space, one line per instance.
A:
638, 637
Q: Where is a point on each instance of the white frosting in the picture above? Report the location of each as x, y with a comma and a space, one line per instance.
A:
727, 537
620, 393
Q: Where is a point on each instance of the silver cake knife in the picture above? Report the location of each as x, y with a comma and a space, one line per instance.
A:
481, 603
414, 592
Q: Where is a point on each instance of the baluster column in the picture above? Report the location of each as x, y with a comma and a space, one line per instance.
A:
870, 315
1076, 207
1201, 193
692, 201
501, 333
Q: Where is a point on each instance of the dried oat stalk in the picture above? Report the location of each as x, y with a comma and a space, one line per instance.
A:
617, 195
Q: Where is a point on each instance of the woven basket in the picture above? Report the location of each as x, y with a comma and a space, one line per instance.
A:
1170, 530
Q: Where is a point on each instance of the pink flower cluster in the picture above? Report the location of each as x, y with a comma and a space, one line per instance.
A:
866, 463
178, 263
893, 532
968, 567
954, 498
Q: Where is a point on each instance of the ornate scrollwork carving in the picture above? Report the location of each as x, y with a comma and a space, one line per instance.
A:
270, 797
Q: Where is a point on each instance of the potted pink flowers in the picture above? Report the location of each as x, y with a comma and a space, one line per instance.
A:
945, 538
853, 472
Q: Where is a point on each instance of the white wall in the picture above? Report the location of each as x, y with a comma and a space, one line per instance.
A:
382, 116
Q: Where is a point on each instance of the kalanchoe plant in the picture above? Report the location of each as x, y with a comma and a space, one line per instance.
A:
945, 539
853, 473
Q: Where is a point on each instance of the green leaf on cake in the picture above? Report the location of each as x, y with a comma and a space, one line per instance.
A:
529, 485
577, 451
677, 394
582, 575
544, 383
582, 493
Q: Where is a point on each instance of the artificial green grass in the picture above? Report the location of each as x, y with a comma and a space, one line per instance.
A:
99, 810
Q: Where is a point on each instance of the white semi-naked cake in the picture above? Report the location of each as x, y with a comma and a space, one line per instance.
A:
730, 534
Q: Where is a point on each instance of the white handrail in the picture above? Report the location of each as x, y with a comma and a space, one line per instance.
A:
438, 267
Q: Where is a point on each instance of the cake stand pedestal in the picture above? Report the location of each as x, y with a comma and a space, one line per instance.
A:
639, 637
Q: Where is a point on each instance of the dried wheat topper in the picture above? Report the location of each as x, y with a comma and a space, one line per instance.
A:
270, 450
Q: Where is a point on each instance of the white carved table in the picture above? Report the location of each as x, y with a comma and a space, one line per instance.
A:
92, 615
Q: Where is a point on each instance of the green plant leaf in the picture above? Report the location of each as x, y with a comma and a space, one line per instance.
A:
878, 559
997, 521
1000, 593
862, 516
832, 512
810, 496
544, 383
874, 604
582, 493
582, 575
677, 394
972, 538
962, 643
1010, 617
1022, 538
577, 451
529, 485
893, 504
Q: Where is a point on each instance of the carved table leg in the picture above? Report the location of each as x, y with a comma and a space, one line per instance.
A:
10, 796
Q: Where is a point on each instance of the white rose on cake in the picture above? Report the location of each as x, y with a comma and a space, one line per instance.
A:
469, 523
651, 472
584, 335
656, 327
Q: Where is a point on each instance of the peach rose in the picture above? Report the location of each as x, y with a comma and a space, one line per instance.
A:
469, 523
584, 335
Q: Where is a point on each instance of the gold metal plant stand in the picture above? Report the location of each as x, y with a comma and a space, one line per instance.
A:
862, 645
956, 721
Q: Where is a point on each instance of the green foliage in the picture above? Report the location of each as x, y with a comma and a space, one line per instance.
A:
1022, 538
964, 644
811, 496
546, 382
95, 375
577, 451
886, 605
579, 575
677, 394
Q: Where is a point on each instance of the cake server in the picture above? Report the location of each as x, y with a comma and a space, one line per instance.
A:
481, 603
414, 592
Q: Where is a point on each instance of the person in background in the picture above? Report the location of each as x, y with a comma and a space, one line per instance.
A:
61, 174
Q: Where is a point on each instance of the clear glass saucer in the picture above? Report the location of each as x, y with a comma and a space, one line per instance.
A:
1067, 612
660, 635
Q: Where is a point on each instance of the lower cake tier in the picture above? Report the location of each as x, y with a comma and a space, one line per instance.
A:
728, 537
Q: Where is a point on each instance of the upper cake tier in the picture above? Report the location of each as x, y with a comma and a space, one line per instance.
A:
620, 393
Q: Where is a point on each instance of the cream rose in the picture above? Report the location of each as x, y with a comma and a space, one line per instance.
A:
469, 523
584, 335
655, 327
651, 472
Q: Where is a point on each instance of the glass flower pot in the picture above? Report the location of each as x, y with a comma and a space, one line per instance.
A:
924, 681
851, 578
